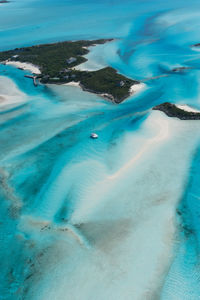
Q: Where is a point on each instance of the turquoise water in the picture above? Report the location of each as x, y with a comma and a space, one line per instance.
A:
117, 217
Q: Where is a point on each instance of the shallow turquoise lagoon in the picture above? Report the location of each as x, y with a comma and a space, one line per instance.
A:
115, 218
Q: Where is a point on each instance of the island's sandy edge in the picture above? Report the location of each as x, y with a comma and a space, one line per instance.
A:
135, 88
35, 70
187, 108
24, 66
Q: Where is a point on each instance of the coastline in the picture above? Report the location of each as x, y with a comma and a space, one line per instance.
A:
78, 84
182, 112
187, 108
134, 89
56, 64
112, 218
95, 57
24, 66
72, 83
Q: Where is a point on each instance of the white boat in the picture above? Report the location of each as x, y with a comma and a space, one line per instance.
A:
94, 136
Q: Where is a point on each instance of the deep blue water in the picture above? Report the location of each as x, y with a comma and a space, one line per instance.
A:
80, 219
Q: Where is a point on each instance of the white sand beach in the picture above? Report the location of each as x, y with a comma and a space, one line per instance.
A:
136, 88
72, 83
187, 108
25, 66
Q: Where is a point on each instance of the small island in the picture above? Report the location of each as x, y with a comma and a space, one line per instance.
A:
57, 62
173, 111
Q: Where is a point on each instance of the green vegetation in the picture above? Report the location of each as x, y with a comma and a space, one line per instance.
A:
107, 80
57, 61
171, 110
51, 58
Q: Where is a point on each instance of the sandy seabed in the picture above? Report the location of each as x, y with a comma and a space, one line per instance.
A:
10, 95
118, 243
